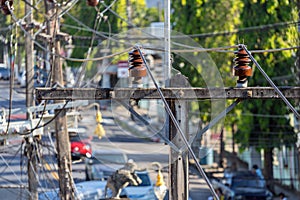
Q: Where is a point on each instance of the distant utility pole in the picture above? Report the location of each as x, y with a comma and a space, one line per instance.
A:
129, 13
66, 191
30, 143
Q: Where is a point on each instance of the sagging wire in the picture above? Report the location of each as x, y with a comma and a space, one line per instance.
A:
9, 162
220, 49
247, 29
57, 55
36, 145
97, 32
18, 178
48, 122
169, 111
107, 46
98, 20
35, 8
67, 9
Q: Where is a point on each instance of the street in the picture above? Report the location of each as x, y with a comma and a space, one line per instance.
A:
144, 152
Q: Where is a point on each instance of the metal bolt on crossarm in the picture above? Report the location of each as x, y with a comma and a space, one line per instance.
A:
242, 68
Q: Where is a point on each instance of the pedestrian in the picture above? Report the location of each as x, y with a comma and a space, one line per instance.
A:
282, 196
258, 172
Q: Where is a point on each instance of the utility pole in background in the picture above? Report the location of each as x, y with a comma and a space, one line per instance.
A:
129, 14
31, 150
66, 191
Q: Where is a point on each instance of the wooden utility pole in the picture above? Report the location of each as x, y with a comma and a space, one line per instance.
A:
178, 168
66, 191
179, 165
30, 143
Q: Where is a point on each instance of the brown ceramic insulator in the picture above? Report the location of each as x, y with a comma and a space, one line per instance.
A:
4, 7
242, 62
92, 2
136, 65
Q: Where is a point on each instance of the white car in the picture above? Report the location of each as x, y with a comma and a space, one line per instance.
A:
87, 190
143, 191
95, 190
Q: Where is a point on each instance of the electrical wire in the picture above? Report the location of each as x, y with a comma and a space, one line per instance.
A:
48, 122
14, 174
112, 55
271, 83
97, 23
57, 55
9, 161
248, 29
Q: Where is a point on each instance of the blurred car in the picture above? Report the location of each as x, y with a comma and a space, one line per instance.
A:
4, 73
243, 185
22, 78
104, 163
87, 190
143, 191
96, 190
79, 148
40, 79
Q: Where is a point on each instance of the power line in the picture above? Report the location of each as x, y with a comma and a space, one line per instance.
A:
248, 29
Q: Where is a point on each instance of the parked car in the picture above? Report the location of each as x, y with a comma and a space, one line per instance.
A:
104, 163
40, 79
96, 190
87, 190
143, 191
22, 78
79, 148
243, 185
4, 73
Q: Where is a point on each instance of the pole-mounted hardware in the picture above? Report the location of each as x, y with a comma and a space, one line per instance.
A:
242, 68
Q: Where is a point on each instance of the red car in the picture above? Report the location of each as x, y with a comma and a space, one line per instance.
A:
80, 148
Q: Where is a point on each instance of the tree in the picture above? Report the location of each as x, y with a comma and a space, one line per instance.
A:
208, 17
269, 132
116, 19
216, 16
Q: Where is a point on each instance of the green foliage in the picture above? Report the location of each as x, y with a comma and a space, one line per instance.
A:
208, 17
264, 132
204, 16
113, 22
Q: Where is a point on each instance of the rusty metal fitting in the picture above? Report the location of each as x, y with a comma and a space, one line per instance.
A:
137, 69
242, 68
92, 2
4, 6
